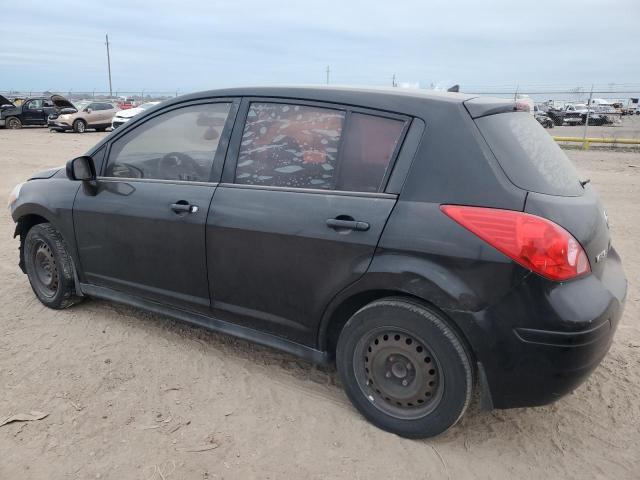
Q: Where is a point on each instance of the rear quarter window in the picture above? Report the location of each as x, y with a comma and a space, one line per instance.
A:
528, 155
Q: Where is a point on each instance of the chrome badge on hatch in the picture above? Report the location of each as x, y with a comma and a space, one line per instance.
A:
601, 256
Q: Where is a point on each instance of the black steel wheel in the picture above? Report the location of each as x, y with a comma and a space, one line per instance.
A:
404, 368
399, 372
49, 266
46, 275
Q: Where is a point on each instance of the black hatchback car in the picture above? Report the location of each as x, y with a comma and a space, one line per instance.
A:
430, 243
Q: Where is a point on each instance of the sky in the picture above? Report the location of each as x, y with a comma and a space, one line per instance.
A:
190, 45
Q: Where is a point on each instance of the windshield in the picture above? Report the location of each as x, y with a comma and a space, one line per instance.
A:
148, 105
80, 105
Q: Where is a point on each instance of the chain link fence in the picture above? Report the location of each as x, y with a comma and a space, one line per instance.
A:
120, 95
605, 112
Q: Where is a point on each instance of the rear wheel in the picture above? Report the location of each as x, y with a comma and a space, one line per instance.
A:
13, 123
49, 267
404, 368
79, 126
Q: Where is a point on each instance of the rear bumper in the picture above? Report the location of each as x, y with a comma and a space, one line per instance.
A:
544, 339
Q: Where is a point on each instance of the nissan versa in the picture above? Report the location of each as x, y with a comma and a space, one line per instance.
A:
430, 243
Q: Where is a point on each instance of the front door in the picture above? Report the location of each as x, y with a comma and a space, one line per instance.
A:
300, 213
142, 230
33, 112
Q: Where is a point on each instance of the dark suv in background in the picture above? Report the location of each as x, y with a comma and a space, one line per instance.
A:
430, 243
32, 111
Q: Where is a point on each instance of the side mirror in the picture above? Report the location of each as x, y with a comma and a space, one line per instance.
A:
81, 168
88, 110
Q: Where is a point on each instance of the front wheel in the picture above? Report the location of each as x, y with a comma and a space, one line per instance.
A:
404, 368
49, 267
79, 126
13, 123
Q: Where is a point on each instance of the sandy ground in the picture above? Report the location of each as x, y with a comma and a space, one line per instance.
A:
137, 396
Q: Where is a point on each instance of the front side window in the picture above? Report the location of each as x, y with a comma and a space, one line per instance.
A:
312, 147
290, 146
34, 105
177, 145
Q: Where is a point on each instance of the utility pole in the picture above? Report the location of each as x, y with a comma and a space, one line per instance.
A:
109, 65
585, 145
328, 71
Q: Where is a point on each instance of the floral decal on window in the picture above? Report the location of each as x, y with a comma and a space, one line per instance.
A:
290, 146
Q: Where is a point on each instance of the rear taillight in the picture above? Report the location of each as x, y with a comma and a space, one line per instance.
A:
534, 242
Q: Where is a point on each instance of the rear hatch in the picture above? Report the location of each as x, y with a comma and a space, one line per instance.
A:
533, 161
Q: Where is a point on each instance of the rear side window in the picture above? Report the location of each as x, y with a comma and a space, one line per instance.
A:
313, 147
528, 155
290, 146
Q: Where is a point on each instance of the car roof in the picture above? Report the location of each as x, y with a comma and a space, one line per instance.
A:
400, 100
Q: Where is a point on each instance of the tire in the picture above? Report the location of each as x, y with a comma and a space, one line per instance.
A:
79, 126
404, 368
13, 123
49, 267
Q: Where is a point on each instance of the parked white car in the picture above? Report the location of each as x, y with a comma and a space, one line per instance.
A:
123, 116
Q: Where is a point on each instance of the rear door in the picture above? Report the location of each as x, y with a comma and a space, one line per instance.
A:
107, 111
142, 230
300, 211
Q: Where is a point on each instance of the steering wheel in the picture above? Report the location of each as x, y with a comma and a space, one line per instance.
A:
181, 166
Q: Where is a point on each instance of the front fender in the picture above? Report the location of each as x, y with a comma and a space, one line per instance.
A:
52, 200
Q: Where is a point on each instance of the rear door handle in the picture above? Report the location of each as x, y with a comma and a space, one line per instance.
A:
183, 207
339, 224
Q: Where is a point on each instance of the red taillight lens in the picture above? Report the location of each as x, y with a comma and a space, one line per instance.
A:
534, 242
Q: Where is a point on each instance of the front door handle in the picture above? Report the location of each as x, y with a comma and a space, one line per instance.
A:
183, 207
344, 224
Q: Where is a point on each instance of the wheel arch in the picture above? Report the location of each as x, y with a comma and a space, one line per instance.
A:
31, 213
25, 223
345, 305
